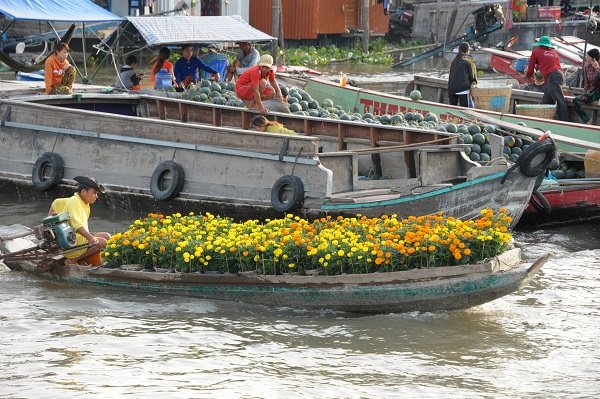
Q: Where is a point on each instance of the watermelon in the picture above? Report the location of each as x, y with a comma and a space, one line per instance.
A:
474, 156
478, 138
327, 103
476, 148
294, 107
474, 129
484, 157
215, 87
415, 95
451, 128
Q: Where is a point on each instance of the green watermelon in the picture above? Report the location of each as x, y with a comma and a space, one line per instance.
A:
415, 95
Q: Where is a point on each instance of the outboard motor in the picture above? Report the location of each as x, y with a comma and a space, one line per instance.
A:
56, 229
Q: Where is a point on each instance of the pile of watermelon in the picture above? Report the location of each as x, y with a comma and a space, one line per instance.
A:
220, 93
472, 133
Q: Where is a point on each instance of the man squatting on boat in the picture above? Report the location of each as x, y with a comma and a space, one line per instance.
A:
78, 208
252, 86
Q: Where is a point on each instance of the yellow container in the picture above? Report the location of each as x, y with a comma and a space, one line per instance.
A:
492, 98
546, 111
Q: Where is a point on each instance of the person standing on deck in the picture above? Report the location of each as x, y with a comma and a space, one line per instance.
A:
462, 77
59, 75
591, 72
546, 59
186, 68
78, 208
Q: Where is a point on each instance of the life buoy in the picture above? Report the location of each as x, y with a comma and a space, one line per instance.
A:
287, 193
535, 159
47, 171
540, 203
167, 181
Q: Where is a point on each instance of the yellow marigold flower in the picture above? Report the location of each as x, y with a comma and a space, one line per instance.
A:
177, 249
327, 256
256, 258
113, 246
107, 254
116, 254
340, 252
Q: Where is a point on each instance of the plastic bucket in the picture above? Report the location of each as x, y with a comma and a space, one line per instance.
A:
521, 64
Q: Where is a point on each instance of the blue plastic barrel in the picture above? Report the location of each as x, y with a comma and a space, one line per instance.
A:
521, 64
163, 79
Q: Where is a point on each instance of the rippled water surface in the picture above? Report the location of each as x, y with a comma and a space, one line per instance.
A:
542, 342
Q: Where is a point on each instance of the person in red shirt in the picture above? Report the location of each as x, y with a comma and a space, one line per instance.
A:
546, 59
252, 87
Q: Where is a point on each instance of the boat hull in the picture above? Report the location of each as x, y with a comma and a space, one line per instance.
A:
233, 171
434, 289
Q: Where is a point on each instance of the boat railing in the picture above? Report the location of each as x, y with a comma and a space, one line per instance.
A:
436, 89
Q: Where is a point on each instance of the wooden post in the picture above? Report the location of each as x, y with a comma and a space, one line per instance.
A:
275, 26
365, 24
450, 26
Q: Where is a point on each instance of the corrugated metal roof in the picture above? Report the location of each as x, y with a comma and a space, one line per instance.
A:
183, 29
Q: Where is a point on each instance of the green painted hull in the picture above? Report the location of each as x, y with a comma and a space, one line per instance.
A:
360, 100
433, 289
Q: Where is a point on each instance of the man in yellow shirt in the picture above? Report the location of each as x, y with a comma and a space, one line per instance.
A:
78, 208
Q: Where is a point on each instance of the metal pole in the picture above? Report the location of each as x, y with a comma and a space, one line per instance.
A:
587, 33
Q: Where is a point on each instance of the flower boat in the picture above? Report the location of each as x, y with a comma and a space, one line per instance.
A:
157, 152
392, 283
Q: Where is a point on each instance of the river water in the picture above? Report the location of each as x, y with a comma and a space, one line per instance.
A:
541, 342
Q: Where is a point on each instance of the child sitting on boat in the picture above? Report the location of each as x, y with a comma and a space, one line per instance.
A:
262, 124
128, 78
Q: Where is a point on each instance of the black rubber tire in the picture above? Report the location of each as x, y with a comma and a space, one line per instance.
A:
540, 203
167, 181
287, 193
538, 182
47, 171
535, 159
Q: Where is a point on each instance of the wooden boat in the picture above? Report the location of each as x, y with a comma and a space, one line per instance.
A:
427, 289
147, 149
567, 201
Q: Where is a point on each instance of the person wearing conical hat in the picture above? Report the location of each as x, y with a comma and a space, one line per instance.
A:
545, 58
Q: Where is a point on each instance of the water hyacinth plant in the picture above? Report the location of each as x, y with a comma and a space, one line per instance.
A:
203, 243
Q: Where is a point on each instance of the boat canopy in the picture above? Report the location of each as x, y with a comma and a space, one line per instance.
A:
56, 10
179, 29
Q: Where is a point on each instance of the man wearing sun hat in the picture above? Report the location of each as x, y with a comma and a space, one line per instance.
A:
252, 87
78, 208
546, 59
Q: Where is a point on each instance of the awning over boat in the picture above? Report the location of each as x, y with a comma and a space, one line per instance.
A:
192, 29
56, 10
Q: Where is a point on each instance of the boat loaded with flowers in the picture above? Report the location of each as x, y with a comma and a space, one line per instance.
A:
358, 264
